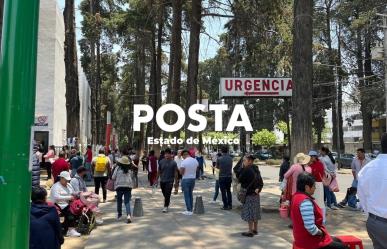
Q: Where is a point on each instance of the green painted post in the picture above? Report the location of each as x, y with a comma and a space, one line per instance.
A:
17, 106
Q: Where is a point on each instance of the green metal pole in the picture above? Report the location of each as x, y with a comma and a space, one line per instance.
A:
17, 106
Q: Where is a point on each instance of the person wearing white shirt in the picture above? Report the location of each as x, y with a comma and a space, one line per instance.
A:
62, 193
330, 168
188, 171
178, 159
372, 188
214, 158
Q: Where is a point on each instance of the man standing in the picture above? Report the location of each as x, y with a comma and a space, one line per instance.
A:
372, 188
178, 160
167, 172
357, 164
59, 165
101, 170
224, 164
188, 171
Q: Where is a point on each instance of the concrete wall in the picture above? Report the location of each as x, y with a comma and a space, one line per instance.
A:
85, 104
50, 80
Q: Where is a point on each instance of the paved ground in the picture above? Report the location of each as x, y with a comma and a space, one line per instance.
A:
214, 229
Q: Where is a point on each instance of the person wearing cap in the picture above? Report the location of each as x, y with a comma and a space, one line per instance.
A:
318, 172
250, 179
123, 184
77, 182
188, 171
62, 193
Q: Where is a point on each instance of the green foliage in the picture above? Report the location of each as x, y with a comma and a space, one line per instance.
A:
220, 135
264, 137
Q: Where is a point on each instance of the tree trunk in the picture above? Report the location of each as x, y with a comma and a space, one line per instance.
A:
92, 83
287, 120
332, 63
152, 84
367, 118
71, 66
159, 63
193, 59
302, 77
176, 42
340, 94
99, 116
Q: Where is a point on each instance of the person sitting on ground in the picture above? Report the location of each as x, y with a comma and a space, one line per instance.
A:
285, 166
62, 193
44, 218
77, 182
357, 164
250, 179
59, 165
309, 231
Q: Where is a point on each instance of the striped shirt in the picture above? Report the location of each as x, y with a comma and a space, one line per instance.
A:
307, 213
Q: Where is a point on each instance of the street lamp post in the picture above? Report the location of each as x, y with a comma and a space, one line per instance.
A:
17, 107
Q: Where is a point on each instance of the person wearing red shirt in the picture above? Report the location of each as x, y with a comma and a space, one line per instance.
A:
88, 160
152, 168
318, 172
59, 165
309, 231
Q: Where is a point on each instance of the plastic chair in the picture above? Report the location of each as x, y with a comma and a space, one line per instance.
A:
351, 241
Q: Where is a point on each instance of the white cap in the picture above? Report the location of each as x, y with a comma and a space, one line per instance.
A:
65, 175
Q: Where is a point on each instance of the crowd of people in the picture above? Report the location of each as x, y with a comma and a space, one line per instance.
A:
308, 185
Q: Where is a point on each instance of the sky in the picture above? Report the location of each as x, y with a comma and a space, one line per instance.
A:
208, 46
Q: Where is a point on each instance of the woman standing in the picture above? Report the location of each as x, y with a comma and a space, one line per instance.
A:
49, 159
318, 172
251, 180
330, 167
122, 177
152, 168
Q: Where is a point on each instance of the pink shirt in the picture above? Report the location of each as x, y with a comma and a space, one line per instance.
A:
294, 171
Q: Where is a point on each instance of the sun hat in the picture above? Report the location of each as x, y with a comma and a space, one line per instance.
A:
124, 160
313, 153
65, 175
301, 158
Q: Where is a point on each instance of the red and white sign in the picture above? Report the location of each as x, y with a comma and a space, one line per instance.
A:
255, 87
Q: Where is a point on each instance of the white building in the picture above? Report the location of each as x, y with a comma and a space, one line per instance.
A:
352, 123
85, 104
50, 103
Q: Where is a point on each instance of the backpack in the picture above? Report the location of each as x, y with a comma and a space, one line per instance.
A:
100, 164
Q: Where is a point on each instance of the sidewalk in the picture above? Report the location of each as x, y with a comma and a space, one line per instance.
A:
215, 229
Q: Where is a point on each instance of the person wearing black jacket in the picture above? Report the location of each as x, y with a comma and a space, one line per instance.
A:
45, 227
285, 166
250, 179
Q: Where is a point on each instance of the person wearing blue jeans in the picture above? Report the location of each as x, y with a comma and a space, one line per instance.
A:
127, 194
225, 188
188, 187
330, 198
188, 171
